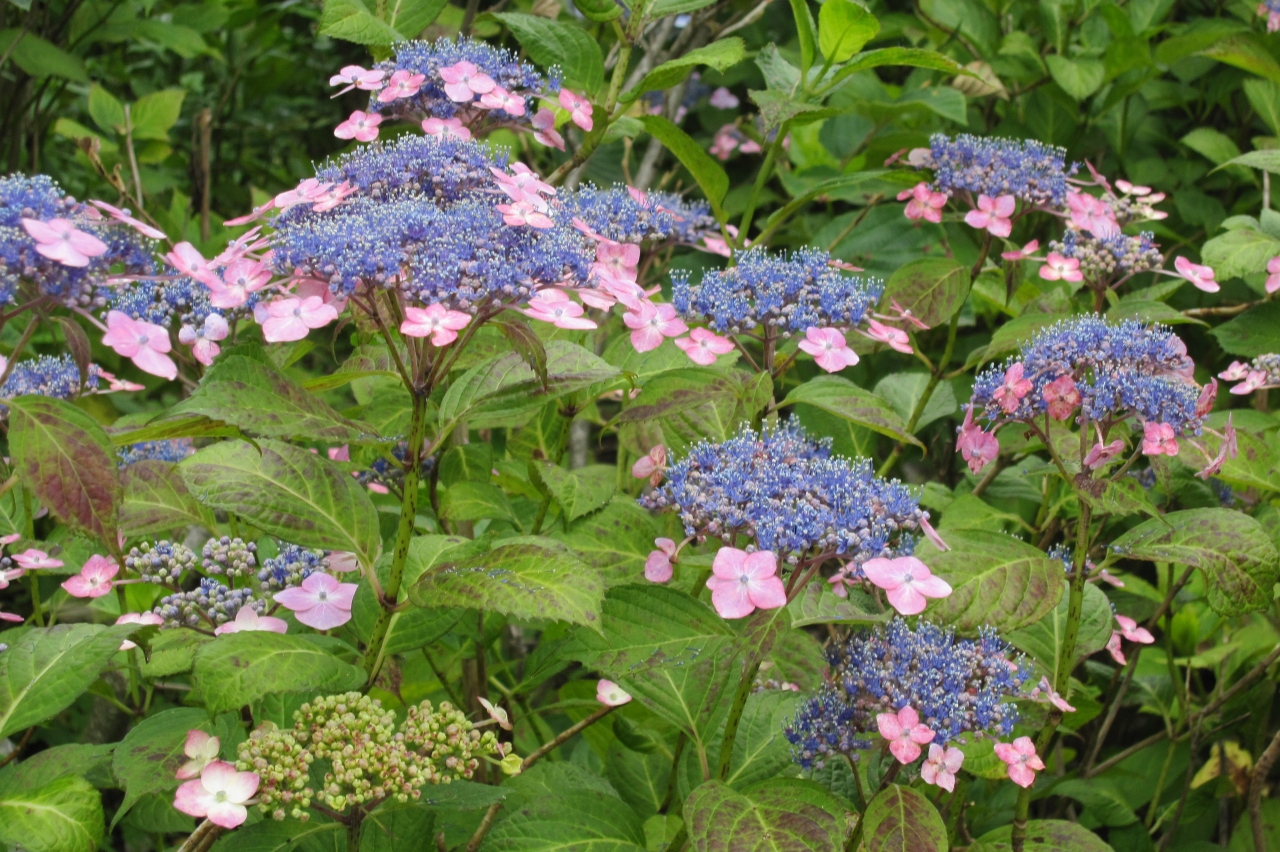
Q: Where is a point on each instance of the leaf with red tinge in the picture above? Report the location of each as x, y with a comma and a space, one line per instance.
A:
781, 814
901, 820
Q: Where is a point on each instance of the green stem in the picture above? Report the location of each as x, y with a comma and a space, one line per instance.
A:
923, 401
355, 823
762, 177
735, 717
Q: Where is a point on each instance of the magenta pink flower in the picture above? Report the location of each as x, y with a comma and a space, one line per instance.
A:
143, 618
555, 306
355, 77
333, 196
292, 319
60, 240
993, 215
924, 204
1130, 630
1102, 454
463, 81
188, 260
1061, 397
247, 620
123, 216
650, 324
360, 126
201, 749
403, 84
1273, 274
220, 794
1092, 214
895, 337
142, 342
579, 108
94, 579
828, 348
742, 582
657, 567
1013, 389
524, 213
1208, 395
306, 192
1059, 268
703, 346
904, 733
907, 582
977, 447
500, 98
941, 766
617, 260
238, 280
203, 341
610, 694
724, 142
651, 465
1021, 757
1159, 439
544, 127
446, 127
722, 98
320, 602
1022, 253
1200, 276
436, 320
1054, 698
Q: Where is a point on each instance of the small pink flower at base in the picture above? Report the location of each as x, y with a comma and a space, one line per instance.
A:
524, 213
924, 203
650, 324
463, 81
435, 320
977, 447
657, 568
904, 733
360, 126
292, 319
1102, 454
203, 342
60, 240
1130, 630
1059, 268
1159, 439
1208, 395
1022, 253
1273, 275
742, 582
500, 98
610, 694
403, 84
579, 109
1061, 397
1114, 649
201, 749
143, 618
32, 559
703, 346
142, 342
321, 602
895, 337
497, 714
1200, 276
1054, 698
247, 620
1014, 388
446, 127
544, 127
1021, 757
828, 348
123, 216
651, 465
94, 579
993, 215
941, 766
355, 77
908, 582
219, 794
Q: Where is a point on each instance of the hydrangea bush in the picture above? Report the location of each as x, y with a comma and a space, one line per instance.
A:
562, 463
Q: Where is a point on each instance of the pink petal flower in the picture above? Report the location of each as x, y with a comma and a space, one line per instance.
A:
202, 749
555, 307
360, 126
652, 465
703, 346
1130, 630
123, 216
320, 602
544, 127
993, 215
722, 98
291, 319
941, 766
1100, 455
500, 98
742, 582
403, 84
924, 203
1054, 698
1200, 276
306, 192
610, 694
1092, 214
1059, 268
1022, 253
651, 324
142, 342
463, 81
1013, 389
1021, 757
579, 108
932, 534
60, 240
446, 127
143, 618
1159, 439
524, 213
657, 567
247, 620
32, 559
1061, 397
218, 794
977, 447
355, 77
94, 579
904, 733
896, 338
188, 260
828, 348
435, 320
1114, 649
1208, 395
240, 279
907, 582
203, 341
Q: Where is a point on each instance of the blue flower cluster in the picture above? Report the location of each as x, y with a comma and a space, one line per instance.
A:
290, 567
48, 375
958, 686
210, 602
1117, 369
443, 168
786, 492
1033, 171
786, 293
170, 450
615, 213
160, 301
232, 557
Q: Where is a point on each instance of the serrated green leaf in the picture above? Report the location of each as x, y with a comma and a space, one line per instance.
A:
1043, 835
581, 490
1238, 252
899, 819
932, 289
1255, 332
843, 398
903, 392
720, 55
153, 115
474, 501
615, 540
1079, 78
62, 816
556, 43
156, 500
351, 20
817, 604
152, 751
106, 111
240, 668
782, 814
843, 28
690, 404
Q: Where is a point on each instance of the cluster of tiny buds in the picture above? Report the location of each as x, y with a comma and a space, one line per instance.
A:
160, 562
1102, 259
210, 602
290, 567
232, 557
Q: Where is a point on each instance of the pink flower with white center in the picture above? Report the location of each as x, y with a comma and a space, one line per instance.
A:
610, 694
1238, 370
924, 203
292, 319
124, 216
1092, 214
143, 618
1059, 268
1252, 381
1273, 274
1021, 757
828, 348
1061, 397
497, 714
895, 337
6, 576
403, 84
651, 465
657, 567
1159, 439
60, 240
306, 192
579, 108
320, 602
1022, 253
188, 260
722, 98
1130, 630
1199, 275
650, 324
544, 129
977, 447
524, 185
524, 213
907, 582
203, 341
253, 216
703, 346
555, 307
463, 81
1013, 389
239, 279
201, 749
446, 127
904, 733
219, 794
247, 620
355, 77
617, 260
1054, 698
1102, 454
500, 98
360, 126
1114, 648
941, 766
742, 582
142, 342
333, 196
436, 320
94, 579
993, 215
1208, 395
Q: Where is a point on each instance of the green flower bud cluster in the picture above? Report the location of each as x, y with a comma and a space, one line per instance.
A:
160, 562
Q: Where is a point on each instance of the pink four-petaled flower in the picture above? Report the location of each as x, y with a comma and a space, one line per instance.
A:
657, 567
555, 306
435, 320
320, 602
1199, 275
355, 77
544, 129
1101, 454
908, 582
142, 342
61, 240
650, 324
703, 346
446, 127
500, 98
220, 794
291, 319
360, 126
1159, 439
579, 108
977, 447
610, 694
895, 337
1012, 389
203, 340
402, 84
463, 81
651, 465
247, 620
94, 579
1021, 757
941, 766
124, 216
201, 749
1061, 397
993, 215
829, 349
904, 733
1059, 268
524, 213
742, 582
1024, 252
924, 203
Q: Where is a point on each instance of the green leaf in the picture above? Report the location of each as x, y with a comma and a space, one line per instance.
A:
62, 816
720, 55
155, 114
1079, 78
172, 652
1248, 52
1255, 332
398, 827
1232, 550
156, 500
782, 814
1239, 252
817, 604
418, 626
842, 397
1267, 160
805, 29
288, 835
615, 540
600, 11
67, 461
288, 492
1264, 97
91, 761
1043, 835
48, 668
183, 41
411, 17
240, 668
152, 751
1121, 497
916, 57
1043, 640
351, 20
761, 750
1150, 312
932, 289
568, 819
579, 491
528, 577
903, 392
995, 579
709, 174
527, 344
41, 58
690, 404
663, 8
1213, 145
899, 819
475, 501
105, 110
843, 28
462, 796
551, 43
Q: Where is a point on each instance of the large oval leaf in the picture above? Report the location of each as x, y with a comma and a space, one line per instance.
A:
782, 814
901, 820
240, 668
995, 579
845, 399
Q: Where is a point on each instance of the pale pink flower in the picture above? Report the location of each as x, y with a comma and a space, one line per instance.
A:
895, 337
828, 348
1130, 630
203, 341
1059, 268
360, 126
1111, 579
925, 203
555, 306
1102, 454
932, 534
6, 540
436, 320
1054, 698
402, 84
219, 794
188, 260
320, 602
908, 582
524, 185
1092, 214
1273, 274
993, 215
355, 77
1159, 439
292, 319
524, 213
703, 346
446, 127
610, 694
1129, 189
1114, 648
94, 579
16, 619
143, 618
343, 562
1021, 757
1238, 370
241, 278
1199, 275
941, 766
306, 192
722, 98
1061, 397
742, 582
500, 98
142, 342
579, 108
252, 216
1022, 253
124, 216
1208, 395
463, 81
544, 129
496, 713
904, 733
60, 240
724, 142
1013, 389
650, 324
657, 567
201, 749
651, 465
247, 620
977, 447
617, 260
333, 196
6, 576
1228, 449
